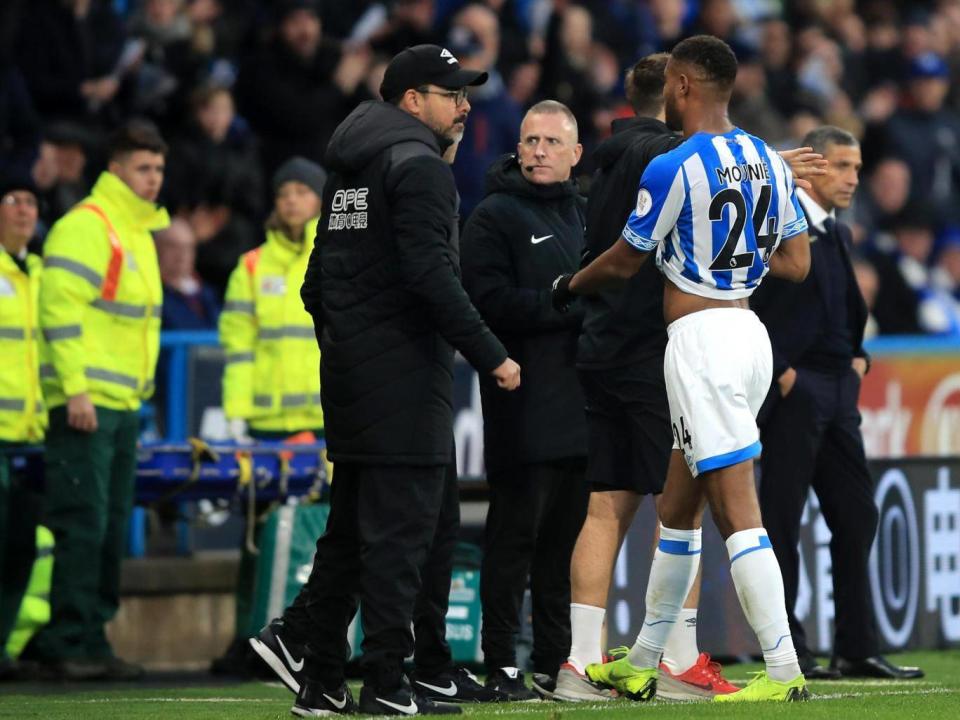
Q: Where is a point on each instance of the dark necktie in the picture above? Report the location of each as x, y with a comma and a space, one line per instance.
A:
830, 230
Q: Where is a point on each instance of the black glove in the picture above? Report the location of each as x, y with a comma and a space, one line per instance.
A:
560, 295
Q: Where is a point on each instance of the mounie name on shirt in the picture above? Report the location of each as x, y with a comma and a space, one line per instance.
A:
746, 171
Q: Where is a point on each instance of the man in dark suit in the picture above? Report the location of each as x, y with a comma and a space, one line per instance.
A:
810, 425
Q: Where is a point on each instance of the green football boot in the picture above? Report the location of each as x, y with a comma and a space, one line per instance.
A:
632, 682
763, 689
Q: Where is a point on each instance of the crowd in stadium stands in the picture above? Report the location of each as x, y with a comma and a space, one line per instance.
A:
239, 86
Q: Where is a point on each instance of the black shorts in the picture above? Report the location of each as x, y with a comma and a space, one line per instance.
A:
628, 427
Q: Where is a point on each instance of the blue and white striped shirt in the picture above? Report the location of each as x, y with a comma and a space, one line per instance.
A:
715, 208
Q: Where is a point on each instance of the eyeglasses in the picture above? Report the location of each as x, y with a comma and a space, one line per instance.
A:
13, 201
458, 96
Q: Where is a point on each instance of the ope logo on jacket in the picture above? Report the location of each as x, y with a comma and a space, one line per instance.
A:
349, 209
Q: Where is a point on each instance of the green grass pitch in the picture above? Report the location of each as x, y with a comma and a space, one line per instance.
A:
936, 696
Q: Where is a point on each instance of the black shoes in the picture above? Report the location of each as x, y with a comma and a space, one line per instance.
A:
875, 667
508, 681
284, 655
544, 685
458, 685
314, 700
401, 700
813, 670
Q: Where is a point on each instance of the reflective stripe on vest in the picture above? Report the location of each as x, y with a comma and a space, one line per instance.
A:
287, 401
16, 333
239, 306
125, 309
287, 331
112, 280
72, 266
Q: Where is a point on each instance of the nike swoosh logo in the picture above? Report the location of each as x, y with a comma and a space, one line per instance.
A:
410, 709
295, 666
538, 240
708, 687
449, 692
338, 704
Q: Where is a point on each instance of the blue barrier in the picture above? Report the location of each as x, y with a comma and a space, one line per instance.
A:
913, 345
178, 343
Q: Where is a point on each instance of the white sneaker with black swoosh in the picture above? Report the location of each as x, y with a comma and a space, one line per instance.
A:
282, 653
455, 685
401, 700
315, 700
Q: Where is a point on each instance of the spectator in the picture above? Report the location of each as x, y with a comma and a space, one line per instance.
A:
300, 87
566, 66
408, 23
19, 123
215, 185
188, 303
869, 283
216, 161
940, 302
495, 117
904, 272
927, 136
750, 107
101, 331
174, 55
60, 173
70, 52
888, 190
776, 47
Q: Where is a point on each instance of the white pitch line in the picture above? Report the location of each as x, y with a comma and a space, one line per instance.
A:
165, 699
859, 683
527, 709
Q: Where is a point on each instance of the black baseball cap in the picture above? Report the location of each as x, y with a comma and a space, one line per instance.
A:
426, 65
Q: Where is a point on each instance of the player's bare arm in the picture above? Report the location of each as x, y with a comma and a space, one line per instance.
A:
791, 260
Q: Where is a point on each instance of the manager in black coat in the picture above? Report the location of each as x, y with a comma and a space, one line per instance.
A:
384, 291
810, 425
528, 229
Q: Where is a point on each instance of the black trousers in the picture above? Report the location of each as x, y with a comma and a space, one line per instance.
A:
535, 515
388, 547
812, 438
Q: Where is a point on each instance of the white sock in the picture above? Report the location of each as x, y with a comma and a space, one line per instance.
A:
681, 651
674, 569
756, 575
586, 626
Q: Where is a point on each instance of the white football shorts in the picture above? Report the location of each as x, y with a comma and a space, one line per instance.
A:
718, 367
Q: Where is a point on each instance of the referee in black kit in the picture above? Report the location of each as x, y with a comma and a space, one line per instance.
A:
384, 290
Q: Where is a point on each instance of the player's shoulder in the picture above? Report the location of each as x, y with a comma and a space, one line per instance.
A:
761, 146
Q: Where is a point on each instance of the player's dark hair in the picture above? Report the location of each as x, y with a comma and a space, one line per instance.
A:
711, 55
644, 84
820, 138
135, 135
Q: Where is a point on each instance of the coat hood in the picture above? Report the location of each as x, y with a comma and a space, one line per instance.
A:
504, 176
611, 149
370, 129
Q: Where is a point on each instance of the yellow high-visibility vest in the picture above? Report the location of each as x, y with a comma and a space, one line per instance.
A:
100, 299
272, 375
23, 417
